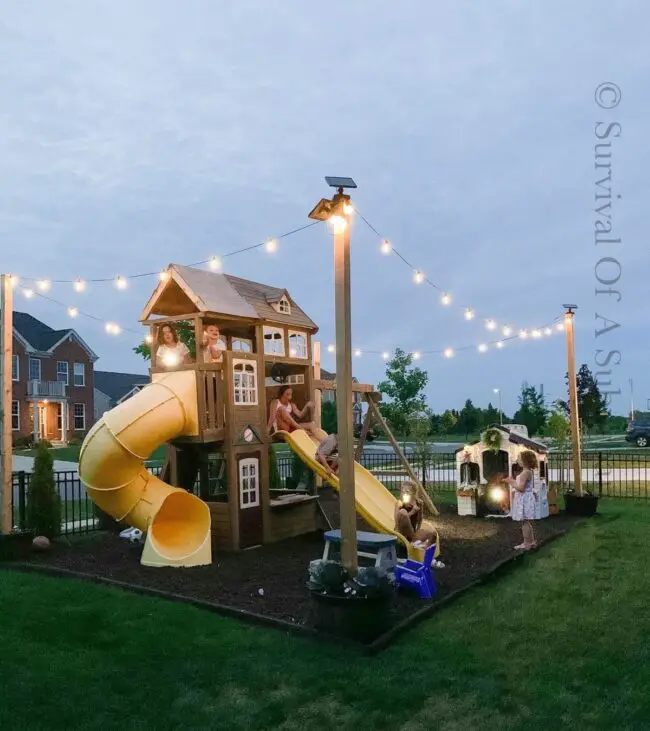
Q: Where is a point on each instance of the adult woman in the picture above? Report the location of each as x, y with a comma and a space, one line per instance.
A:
523, 500
171, 351
409, 512
284, 414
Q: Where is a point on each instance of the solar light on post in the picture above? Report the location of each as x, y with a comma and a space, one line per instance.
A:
337, 212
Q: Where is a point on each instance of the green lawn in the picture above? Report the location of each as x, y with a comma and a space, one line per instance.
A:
560, 644
71, 453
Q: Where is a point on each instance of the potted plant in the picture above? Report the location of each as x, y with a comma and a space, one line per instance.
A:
356, 607
584, 504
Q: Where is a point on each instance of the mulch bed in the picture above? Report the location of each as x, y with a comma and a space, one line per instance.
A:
271, 580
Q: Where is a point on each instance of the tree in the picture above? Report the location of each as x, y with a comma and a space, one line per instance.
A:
490, 415
448, 422
558, 428
186, 334
468, 422
404, 386
592, 405
532, 412
43, 501
328, 417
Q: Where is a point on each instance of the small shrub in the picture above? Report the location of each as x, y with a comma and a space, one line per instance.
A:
46, 443
43, 502
76, 440
22, 441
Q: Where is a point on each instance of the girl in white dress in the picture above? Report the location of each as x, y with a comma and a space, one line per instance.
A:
523, 500
171, 351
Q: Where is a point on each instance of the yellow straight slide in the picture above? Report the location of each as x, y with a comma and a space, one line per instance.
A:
111, 466
374, 503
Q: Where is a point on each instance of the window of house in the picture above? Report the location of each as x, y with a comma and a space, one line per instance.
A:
59, 416
79, 417
15, 415
249, 482
34, 369
79, 374
297, 345
15, 368
245, 382
283, 306
62, 371
242, 345
273, 341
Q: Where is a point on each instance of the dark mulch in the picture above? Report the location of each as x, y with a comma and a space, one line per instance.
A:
271, 580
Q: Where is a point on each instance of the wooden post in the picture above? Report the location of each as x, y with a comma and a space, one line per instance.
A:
318, 400
344, 393
367, 424
6, 345
573, 398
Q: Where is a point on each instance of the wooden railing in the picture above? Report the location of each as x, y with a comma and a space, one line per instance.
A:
211, 399
46, 389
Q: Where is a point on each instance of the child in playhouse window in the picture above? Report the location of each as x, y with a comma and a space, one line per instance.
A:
213, 345
283, 411
524, 497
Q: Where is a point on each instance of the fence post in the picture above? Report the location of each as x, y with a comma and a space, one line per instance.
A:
22, 503
600, 473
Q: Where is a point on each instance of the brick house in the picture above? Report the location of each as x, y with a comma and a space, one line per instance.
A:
52, 379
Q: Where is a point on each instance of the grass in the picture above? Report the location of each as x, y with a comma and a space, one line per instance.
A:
71, 453
559, 644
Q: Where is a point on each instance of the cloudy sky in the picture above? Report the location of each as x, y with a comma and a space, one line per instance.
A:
134, 134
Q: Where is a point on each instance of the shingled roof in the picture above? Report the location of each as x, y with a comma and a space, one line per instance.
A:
41, 337
226, 295
117, 385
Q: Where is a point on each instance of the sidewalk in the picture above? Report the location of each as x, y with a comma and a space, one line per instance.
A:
26, 464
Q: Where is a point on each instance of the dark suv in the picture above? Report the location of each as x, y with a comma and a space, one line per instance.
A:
638, 432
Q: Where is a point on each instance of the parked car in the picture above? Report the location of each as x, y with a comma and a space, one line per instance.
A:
638, 431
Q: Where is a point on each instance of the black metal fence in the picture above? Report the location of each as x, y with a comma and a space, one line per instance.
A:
615, 473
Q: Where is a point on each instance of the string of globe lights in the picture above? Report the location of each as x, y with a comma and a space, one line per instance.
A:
419, 277
537, 333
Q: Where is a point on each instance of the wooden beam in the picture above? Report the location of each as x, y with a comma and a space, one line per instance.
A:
574, 414
367, 425
331, 386
372, 406
6, 446
318, 397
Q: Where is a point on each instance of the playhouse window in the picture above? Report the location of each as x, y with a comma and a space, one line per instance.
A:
245, 382
242, 345
295, 379
273, 341
297, 345
283, 306
495, 464
469, 473
249, 483
542, 468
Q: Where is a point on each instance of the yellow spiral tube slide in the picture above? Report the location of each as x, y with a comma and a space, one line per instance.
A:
111, 466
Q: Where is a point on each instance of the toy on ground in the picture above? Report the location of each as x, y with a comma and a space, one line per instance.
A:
418, 575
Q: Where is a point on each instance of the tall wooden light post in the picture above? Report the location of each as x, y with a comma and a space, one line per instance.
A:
573, 396
6, 338
337, 212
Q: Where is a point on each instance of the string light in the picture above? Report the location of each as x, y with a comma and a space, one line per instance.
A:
73, 311
348, 209
148, 339
357, 353
29, 293
215, 263
560, 326
523, 334
446, 299
507, 331
385, 355
271, 246
490, 324
448, 353
385, 247
418, 277
43, 284
482, 348
469, 314
13, 280
417, 355
79, 285
331, 349
120, 282
500, 344
537, 333
164, 275
112, 328
548, 331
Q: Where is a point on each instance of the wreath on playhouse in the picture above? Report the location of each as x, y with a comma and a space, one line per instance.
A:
492, 439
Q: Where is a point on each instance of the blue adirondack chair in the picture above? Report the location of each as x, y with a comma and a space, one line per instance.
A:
418, 576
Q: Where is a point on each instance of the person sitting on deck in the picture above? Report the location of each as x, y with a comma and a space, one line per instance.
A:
213, 345
283, 411
409, 511
327, 454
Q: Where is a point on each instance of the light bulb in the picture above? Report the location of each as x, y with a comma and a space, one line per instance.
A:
148, 339
338, 224
271, 246
43, 285
164, 275
73, 311
445, 299
348, 209
507, 331
385, 355
116, 329
120, 282
418, 277
537, 333
469, 313
385, 247
214, 262
560, 326
13, 281
416, 355
330, 348
448, 353
548, 331
482, 348
29, 293
490, 324
357, 353
523, 333
79, 285
112, 328
500, 344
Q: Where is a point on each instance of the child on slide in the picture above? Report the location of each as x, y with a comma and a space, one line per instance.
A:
327, 454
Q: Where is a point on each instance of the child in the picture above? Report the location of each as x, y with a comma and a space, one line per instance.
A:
523, 501
327, 454
283, 411
409, 512
213, 345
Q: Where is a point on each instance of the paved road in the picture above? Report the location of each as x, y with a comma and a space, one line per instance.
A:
26, 464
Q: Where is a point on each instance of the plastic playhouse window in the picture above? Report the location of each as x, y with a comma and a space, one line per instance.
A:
284, 306
297, 345
245, 382
469, 473
242, 345
273, 341
249, 483
494, 464
542, 468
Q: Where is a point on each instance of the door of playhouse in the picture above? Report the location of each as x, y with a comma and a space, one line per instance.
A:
250, 509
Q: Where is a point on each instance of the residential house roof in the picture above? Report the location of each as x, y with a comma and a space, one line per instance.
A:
515, 438
226, 295
329, 376
118, 385
41, 337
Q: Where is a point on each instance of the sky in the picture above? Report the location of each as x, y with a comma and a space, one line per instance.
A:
135, 134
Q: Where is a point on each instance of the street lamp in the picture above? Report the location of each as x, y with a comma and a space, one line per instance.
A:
498, 390
337, 212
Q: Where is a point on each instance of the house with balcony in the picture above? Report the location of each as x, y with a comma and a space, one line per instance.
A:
52, 381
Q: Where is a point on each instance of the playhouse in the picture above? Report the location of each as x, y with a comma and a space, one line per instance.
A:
482, 465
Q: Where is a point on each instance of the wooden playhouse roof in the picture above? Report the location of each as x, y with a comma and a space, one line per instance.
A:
513, 437
189, 289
